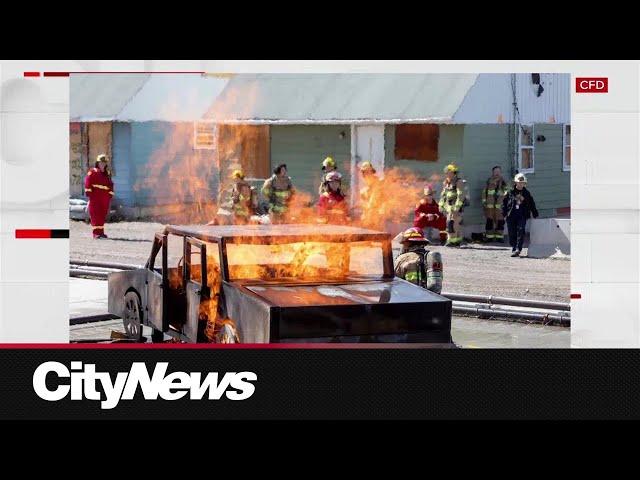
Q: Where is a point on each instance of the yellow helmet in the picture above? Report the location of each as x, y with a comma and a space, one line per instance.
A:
102, 158
451, 168
237, 174
366, 166
328, 162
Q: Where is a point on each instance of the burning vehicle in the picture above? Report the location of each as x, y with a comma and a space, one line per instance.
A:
276, 284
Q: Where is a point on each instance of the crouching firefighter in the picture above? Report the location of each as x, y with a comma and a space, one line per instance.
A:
416, 264
243, 197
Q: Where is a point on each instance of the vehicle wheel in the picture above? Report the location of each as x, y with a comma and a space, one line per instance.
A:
132, 316
227, 334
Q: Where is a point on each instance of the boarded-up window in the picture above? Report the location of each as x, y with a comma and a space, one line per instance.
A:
417, 142
256, 151
99, 141
246, 147
204, 136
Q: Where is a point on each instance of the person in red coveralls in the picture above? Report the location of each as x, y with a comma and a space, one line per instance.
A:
332, 207
98, 186
428, 215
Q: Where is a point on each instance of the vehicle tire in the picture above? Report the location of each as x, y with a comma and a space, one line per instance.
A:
227, 334
132, 316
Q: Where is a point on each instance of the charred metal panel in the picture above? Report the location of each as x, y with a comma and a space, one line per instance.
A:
155, 301
250, 314
119, 283
393, 291
193, 307
372, 319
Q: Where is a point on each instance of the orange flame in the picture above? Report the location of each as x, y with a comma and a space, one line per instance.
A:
388, 203
179, 177
304, 261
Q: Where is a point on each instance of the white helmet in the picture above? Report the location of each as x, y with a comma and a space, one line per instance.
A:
520, 178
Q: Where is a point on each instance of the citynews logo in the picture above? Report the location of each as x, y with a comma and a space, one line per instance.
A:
592, 85
174, 386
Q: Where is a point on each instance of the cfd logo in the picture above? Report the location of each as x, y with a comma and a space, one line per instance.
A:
592, 85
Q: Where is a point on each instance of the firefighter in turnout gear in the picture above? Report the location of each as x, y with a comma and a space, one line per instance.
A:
98, 186
278, 190
452, 203
243, 198
332, 207
492, 195
371, 202
416, 264
427, 214
328, 166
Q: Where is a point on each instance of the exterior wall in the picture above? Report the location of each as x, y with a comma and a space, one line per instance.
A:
476, 149
166, 169
122, 184
490, 99
450, 149
304, 147
76, 170
485, 146
549, 185
488, 145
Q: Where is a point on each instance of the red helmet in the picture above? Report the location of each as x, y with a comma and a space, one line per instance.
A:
414, 234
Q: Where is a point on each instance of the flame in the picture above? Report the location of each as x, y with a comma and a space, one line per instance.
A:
178, 178
380, 203
304, 261
390, 198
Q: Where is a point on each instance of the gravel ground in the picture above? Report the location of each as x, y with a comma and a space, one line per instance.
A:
485, 269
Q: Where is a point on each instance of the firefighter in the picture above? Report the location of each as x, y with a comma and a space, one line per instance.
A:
332, 207
416, 264
452, 202
492, 195
518, 205
328, 166
98, 186
370, 200
243, 198
427, 214
278, 190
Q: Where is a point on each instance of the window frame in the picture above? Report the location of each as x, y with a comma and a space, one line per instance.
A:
214, 132
531, 147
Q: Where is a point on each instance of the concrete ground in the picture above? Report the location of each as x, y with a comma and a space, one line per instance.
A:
485, 269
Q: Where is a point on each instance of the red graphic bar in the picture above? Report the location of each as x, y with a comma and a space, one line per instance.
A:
217, 346
31, 74
576, 296
66, 74
56, 74
41, 233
